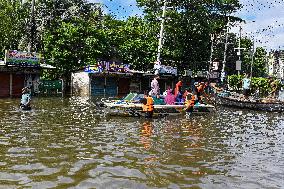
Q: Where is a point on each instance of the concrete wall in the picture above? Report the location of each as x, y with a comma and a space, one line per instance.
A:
80, 84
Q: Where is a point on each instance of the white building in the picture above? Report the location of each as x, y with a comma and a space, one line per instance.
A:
276, 64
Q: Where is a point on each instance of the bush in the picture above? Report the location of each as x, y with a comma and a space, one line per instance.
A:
235, 82
257, 83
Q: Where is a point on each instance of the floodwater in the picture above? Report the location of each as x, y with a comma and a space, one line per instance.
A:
68, 143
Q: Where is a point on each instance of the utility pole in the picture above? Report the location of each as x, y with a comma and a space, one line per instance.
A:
239, 51
212, 37
162, 31
223, 74
252, 57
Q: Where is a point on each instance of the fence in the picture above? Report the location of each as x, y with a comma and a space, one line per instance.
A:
50, 88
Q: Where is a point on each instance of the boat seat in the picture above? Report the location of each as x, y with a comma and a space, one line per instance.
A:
129, 97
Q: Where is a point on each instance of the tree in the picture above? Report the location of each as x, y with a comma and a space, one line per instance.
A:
187, 32
72, 40
139, 46
259, 64
13, 24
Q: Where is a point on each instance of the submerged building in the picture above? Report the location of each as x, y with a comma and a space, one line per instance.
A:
117, 79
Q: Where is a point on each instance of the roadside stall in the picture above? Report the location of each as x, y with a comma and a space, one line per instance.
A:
20, 69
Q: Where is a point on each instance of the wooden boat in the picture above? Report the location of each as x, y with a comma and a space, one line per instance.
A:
254, 104
133, 108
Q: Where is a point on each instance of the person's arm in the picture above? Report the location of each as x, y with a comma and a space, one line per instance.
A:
28, 100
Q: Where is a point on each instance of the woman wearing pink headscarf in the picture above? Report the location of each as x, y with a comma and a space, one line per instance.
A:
169, 98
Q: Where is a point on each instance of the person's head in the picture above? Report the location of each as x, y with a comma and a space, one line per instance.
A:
196, 84
157, 77
188, 90
146, 93
25, 90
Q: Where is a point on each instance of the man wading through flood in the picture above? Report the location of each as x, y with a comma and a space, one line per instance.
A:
26, 99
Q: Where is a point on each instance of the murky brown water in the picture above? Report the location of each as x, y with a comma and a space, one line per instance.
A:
66, 143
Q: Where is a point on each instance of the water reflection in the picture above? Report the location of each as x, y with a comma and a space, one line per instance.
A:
146, 133
69, 143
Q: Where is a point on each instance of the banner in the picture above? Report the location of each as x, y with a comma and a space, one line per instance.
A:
106, 66
21, 58
168, 70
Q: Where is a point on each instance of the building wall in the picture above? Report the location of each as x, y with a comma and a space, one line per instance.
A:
18, 82
11, 84
104, 86
4, 84
80, 84
123, 86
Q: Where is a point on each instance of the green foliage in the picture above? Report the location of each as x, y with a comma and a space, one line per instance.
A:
235, 81
263, 85
188, 29
74, 33
12, 22
75, 40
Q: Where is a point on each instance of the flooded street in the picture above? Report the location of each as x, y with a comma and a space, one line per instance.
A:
68, 143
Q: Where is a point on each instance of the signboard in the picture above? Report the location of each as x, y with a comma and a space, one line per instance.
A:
22, 58
18, 70
168, 70
201, 74
238, 65
213, 75
106, 66
188, 73
163, 69
215, 66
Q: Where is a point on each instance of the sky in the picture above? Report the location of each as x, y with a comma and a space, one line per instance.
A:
264, 19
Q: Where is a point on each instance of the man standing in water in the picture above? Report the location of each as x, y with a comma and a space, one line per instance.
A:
246, 86
26, 99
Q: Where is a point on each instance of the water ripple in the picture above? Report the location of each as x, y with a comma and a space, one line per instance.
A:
68, 143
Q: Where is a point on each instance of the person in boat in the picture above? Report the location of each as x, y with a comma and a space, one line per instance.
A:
185, 93
201, 92
170, 98
178, 93
148, 105
155, 89
195, 91
178, 87
190, 101
26, 99
214, 87
246, 86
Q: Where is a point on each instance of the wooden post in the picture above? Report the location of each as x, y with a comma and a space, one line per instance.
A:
11, 84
